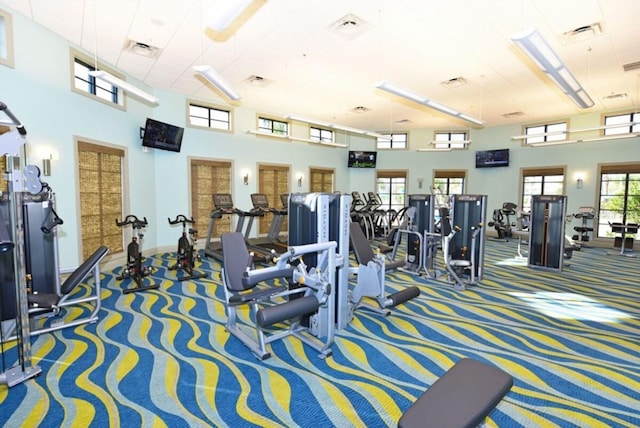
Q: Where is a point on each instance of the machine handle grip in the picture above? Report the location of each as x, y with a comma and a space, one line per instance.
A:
181, 219
14, 119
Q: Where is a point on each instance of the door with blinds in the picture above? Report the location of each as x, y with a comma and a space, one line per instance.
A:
273, 181
209, 177
321, 180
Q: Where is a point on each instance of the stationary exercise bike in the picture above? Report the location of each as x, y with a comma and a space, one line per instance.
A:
187, 257
134, 269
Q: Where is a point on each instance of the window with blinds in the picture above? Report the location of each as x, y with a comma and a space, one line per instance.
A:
100, 189
541, 181
209, 177
321, 180
273, 181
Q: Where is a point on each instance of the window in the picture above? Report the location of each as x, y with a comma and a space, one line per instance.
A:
273, 181
543, 133
393, 141
619, 199
391, 186
321, 180
450, 140
541, 181
6, 38
322, 135
449, 182
209, 117
86, 84
100, 180
209, 177
624, 120
273, 126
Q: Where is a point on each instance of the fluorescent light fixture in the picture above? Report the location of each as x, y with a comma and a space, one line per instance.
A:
216, 80
463, 142
535, 47
129, 88
223, 13
337, 127
289, 137
434, 150
542, 134
394, 89
576, 131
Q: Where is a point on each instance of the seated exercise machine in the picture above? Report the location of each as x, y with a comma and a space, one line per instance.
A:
463, 397
623, 241
134, 268
502, 226
585, 214
186, 255
309, 294
370, 273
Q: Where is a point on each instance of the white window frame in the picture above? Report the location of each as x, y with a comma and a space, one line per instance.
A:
209, 122
85, 61
393, 141
448, 140
6, 39
624, 120
556, 131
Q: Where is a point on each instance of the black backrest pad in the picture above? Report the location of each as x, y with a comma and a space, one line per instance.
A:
361, 248
235, 260
83, 270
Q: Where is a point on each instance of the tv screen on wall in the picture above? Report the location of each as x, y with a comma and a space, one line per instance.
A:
361, 159
492, 158
163, 136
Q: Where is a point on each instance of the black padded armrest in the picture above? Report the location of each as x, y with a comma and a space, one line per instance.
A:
257, 276
462, 397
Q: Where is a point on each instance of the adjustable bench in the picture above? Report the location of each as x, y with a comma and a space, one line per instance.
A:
462, 397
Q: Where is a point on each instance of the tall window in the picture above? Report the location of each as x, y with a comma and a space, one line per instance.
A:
391, 186
393, 141
273, 181
89, 85
322, 135
321, 180
541, 181
450, 140
548, 132
100, 188
209, 177
450, 182
6, 38
624, 121
273, 126
619, 199
209, 117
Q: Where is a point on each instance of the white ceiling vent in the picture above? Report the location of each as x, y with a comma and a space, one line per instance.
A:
257, 80
513, 114
585, 32
360, 109
349, 27
619, 96
143, 49
456, 82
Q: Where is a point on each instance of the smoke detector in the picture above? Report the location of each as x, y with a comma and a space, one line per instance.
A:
143, 49
349, 26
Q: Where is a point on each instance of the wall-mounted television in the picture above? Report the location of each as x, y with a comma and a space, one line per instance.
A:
492, 158
160, 135
361, 159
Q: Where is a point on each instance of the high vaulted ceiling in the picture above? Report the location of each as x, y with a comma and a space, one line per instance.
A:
321, 58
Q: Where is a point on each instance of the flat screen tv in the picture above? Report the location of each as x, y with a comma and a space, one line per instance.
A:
160, 135
360, 159
492, 158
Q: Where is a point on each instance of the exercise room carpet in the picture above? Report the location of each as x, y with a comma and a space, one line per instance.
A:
163, 358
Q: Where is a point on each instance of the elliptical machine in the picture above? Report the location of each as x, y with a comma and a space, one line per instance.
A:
134, 268
502, 227
187, 257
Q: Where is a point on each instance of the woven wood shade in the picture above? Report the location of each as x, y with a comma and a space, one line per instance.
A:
273, 181
321, 180
100, 187
207, 178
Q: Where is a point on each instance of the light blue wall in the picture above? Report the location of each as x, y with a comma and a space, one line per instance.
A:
38, 91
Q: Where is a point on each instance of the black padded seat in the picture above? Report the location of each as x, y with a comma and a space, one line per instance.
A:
363, 251
461, 398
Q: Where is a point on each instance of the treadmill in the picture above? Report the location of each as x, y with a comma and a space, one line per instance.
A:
261, 208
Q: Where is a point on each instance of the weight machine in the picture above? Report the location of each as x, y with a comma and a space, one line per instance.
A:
547, 232
134, 268
186, 255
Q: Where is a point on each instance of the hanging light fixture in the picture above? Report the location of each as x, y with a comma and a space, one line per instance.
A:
217, 80
535, 47
129, 88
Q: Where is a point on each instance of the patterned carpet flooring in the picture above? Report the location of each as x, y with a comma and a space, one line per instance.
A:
162, 357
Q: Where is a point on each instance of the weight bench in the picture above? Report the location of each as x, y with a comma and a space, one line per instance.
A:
51, 302
461, 398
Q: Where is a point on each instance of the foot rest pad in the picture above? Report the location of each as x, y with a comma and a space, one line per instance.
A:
285, 311
462, 397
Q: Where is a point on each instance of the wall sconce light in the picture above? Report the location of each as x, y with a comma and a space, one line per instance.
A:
46, 166
300, 177
579, 182
246, 178
420, 181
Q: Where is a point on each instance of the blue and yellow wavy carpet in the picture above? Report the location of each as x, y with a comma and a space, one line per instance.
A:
163, 358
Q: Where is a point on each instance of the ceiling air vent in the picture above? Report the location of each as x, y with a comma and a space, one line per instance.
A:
631, 66
349, 26
143, 49
360, 109
404, 121
584, 32
257, 80
619, 96
513, 114
456, 82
